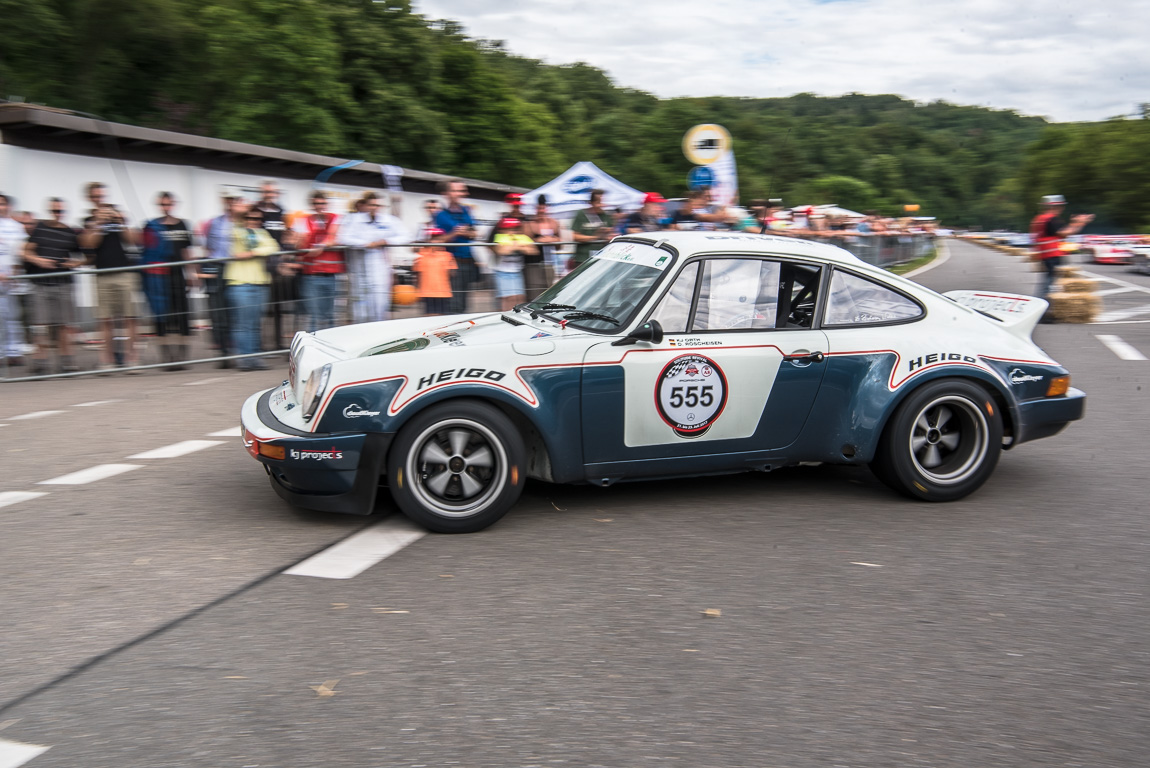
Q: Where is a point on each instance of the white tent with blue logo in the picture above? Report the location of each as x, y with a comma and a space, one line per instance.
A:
570, 191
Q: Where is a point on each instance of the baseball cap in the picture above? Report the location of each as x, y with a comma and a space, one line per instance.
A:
1053, 200
653, 197
513, 198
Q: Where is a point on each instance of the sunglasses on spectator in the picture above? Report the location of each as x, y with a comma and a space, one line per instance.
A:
254, 218
58, 212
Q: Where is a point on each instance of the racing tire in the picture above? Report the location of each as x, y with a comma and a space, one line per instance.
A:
458, 467
942, 443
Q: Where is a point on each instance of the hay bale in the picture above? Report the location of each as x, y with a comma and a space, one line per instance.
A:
1066, 270
1074, 307
1077, 285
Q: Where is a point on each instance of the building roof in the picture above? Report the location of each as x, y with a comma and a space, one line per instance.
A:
54, 130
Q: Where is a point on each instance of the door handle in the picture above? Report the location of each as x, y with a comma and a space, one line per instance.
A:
802, 357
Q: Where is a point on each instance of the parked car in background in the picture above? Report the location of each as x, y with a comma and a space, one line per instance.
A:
1108, 249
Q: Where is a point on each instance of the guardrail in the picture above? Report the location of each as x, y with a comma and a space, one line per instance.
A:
198, 329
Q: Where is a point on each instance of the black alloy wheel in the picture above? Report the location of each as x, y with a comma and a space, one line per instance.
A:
942, 443
457, 467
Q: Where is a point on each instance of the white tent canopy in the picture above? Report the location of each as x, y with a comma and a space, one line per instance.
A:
570, 191
838, 211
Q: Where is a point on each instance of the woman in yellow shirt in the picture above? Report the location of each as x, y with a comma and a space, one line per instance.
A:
512, 246
247, 280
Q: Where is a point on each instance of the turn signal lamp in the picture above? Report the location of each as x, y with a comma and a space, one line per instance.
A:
1059, 386
273, 451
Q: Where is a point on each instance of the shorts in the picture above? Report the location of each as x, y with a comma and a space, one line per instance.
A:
436, 305
508, 284
52, 305
115, 295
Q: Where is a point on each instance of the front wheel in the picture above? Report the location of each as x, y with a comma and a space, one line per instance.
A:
457, 467
943, 442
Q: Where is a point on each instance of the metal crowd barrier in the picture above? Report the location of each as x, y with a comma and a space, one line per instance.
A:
207, 318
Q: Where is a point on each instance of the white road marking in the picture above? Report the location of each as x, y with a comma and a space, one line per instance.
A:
1115, 281
94, 402
357, 553
868, 565
12, 497
229, 432
1119, 347
1118, 315
1114, 291
13, 753
937, 261
204, 381
33, 415
91, 474
176, 449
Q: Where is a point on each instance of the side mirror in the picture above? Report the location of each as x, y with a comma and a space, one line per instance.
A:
649, 331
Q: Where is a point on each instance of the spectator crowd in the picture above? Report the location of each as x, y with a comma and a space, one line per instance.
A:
263, 273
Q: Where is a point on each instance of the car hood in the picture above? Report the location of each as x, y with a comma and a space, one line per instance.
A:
408, 335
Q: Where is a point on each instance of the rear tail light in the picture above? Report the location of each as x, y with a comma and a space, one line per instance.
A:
1059, 386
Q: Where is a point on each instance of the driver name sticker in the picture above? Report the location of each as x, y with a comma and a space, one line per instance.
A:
690, 394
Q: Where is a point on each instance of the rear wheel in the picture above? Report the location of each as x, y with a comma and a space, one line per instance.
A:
457, 467
943, 442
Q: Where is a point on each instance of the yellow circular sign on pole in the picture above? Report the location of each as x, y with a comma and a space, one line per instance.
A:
704, 144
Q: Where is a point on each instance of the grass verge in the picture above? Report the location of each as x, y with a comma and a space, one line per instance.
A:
921, 261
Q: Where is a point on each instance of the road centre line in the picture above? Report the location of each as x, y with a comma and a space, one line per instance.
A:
91, 474
229, 432
13, 753
355, 554
1119, 347
94, 402
33, 415
8, 498
176, 450
203, 381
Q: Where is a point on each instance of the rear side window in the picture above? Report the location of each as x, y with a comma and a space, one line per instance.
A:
856, 300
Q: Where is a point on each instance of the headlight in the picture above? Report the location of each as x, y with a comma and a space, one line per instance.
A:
313, 391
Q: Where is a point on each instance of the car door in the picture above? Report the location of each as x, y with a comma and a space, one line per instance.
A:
736, 372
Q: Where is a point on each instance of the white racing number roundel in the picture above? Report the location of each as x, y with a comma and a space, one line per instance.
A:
690, 394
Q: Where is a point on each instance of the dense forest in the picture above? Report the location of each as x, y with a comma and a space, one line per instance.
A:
374, 80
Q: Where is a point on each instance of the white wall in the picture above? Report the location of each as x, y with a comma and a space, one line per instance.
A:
32, 176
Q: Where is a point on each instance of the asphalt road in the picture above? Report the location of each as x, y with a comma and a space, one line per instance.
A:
147, 620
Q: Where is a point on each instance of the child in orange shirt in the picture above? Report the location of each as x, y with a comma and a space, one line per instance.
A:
433, 264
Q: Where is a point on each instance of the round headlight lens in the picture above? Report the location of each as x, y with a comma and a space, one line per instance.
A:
314, 389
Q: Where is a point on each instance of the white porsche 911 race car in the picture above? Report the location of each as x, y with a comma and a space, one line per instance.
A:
667, 355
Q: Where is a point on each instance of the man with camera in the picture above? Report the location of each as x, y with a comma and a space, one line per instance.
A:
109, 241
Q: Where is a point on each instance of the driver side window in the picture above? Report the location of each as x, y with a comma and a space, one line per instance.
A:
740, 293
737, 294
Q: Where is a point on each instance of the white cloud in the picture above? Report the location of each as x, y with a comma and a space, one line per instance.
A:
1064, 60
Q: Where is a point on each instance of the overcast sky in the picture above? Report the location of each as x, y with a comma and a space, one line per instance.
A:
1062, 60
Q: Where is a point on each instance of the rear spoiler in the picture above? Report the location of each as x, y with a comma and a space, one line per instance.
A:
1015, 312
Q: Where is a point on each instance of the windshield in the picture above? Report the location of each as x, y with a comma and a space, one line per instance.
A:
613, 284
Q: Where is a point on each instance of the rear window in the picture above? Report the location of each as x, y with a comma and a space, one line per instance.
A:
856, 300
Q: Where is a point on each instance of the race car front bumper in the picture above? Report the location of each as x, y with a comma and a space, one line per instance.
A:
1049, 415
327, 472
